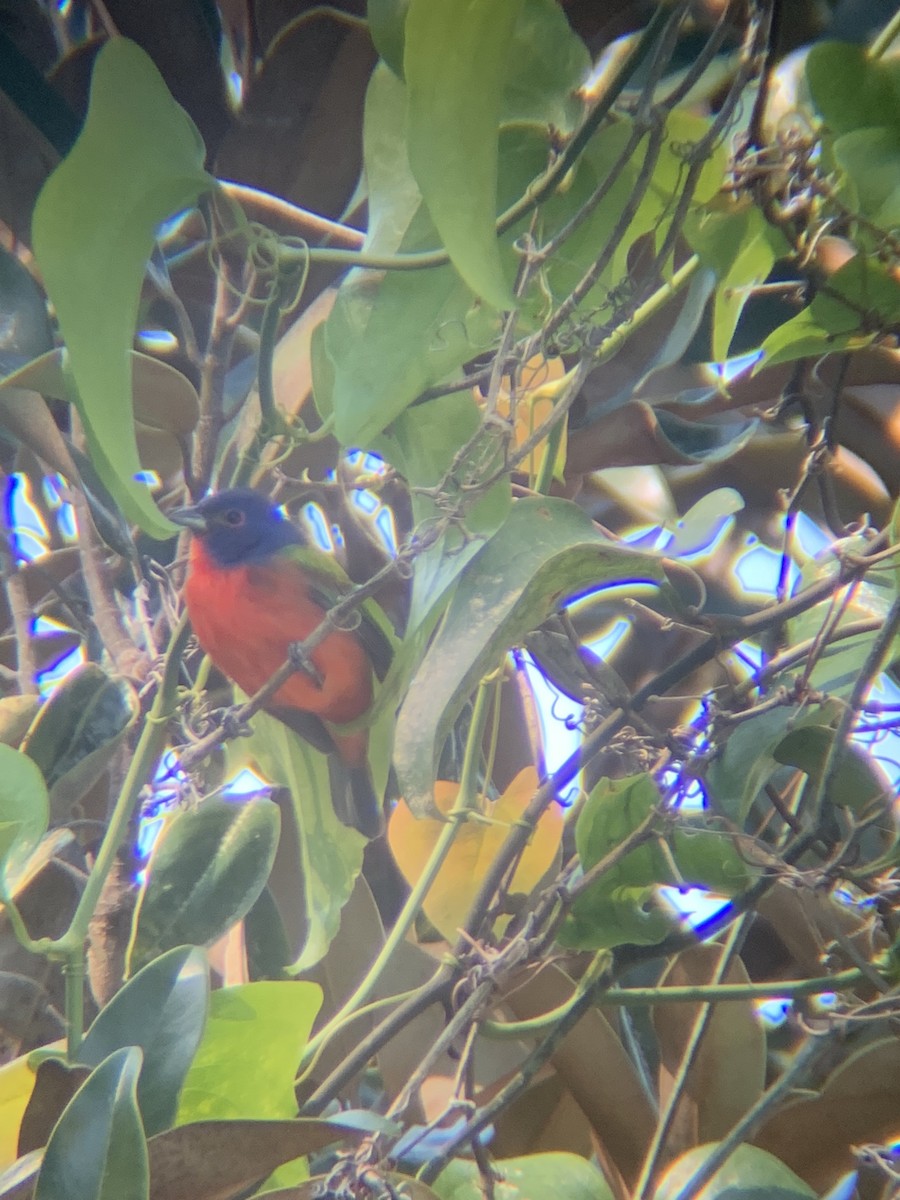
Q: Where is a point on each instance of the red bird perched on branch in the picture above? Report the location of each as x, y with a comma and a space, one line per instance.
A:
254, 588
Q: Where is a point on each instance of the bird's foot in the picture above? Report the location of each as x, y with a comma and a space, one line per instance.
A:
300, 660
232, 725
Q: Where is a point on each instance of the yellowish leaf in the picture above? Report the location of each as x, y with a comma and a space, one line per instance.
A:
16, 1086
477, 844
541, 382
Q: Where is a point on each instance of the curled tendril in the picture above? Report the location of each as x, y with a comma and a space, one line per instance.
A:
350, 622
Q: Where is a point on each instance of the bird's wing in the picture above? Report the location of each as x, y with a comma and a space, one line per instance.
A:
329, 583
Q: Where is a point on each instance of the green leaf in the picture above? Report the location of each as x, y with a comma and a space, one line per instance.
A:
265, 939
387, 19
747, 762
850, 89
330, 854
531, 1177
455, 61
839, 663
209, 865
248, 1058
162, 1010
387, 341
738, 243
388, 338
24, 814
704, 521
858, 782
597, 169
138, 160
859, 298
422, 444
751, 755
683, 131
78, 731
749, 1174
548, 63
394, 196
620, 908
707, 857
544, 552
871, 158
97, 1150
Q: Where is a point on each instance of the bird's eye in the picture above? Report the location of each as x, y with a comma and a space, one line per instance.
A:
233, 516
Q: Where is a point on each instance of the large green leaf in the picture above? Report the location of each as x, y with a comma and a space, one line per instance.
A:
852, 90
545, 551
749, 1174
330, 854
248, 1058
138, 160
858, 298
77, 732
563, 1176
871, 160
423, 444
97, 1150
207, 870
747, 762
547, 62
790, 736
387, 19
838, 662
390, 337
162, 1010
620, 907
24, 814
858, 782
738, 243
455, 61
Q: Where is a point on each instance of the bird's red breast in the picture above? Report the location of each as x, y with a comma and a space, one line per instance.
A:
246, 617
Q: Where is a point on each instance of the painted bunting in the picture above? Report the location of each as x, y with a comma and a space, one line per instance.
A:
255, 586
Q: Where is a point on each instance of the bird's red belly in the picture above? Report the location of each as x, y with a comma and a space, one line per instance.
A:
245, 618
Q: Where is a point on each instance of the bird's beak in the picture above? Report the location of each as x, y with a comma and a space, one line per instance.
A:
190, 517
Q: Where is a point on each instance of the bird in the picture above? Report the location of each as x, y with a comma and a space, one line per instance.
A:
255, 586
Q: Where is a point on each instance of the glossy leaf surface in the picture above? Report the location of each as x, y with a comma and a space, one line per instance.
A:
545, 551
162, 1010
98, 1150
138, 160
248, 1058
207, 869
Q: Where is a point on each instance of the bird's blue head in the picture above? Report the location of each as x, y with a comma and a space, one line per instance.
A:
238, 526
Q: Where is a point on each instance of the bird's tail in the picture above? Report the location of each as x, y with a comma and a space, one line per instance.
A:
355, 799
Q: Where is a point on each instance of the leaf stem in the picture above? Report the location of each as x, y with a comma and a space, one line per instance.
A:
882, 43
147, 753
688, 1059
512, 1030
73, 975
455, 819
697, 993
805, 1059
537, 191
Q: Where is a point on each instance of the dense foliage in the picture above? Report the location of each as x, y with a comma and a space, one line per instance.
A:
573, 336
